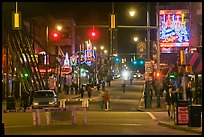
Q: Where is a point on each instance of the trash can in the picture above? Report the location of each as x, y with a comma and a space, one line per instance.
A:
194, 116
10, 103
181, 113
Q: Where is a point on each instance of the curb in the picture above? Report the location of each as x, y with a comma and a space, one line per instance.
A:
179, 127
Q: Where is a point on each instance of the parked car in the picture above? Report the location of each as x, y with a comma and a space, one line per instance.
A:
44, 98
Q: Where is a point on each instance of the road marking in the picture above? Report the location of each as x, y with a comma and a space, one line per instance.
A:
68, 123
151, 115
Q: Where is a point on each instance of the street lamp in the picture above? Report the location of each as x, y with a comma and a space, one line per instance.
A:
96, 63
132, 13
59, 28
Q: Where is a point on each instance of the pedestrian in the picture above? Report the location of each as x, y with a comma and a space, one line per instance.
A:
98, 86
170, 102
76, 88
89, 90
101, 101
81, 91
103, 85
131, 79
189, 94
198, 95
72, 88
123, 87
25, 97
106, 99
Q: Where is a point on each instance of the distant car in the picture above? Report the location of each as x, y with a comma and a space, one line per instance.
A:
44, 98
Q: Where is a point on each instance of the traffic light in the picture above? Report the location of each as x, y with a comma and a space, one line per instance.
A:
26, 75
55, 35
141, 62
134, 62
93, 34
117, 59
172, 76
158, 74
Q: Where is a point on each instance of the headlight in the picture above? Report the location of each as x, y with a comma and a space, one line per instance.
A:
51, 103
35, 103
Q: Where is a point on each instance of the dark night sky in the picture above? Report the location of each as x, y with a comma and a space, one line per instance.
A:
91, 13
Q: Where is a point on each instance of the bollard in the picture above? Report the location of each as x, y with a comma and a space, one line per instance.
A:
62, 102
74, 117
84, 115
47, 115
38, 117
63, 105
34, 117
85, 102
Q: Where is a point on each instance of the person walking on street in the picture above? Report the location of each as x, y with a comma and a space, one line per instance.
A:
170, 102
89, 90
98, 86
198, 95
81, 91
103, 85
189, 94
101, 101
123, 87
106, 99
76, 88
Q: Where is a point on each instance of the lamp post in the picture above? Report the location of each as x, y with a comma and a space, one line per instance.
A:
46, 73
132, 13
96, 64
59, 28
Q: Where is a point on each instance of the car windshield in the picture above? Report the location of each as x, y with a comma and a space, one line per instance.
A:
43, 94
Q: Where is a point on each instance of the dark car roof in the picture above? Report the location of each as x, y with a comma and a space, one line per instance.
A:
44, 91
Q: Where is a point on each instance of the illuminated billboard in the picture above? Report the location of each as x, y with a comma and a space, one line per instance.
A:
174, 28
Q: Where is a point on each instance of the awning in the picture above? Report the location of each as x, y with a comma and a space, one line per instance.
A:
195, 61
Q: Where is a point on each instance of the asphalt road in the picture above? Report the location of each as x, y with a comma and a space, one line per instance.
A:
122, 119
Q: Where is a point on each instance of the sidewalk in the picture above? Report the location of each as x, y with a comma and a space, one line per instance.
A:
163, 118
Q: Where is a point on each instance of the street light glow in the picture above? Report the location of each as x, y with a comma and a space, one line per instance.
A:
59, 27
135, 39
105, 51
102, 47
132, 13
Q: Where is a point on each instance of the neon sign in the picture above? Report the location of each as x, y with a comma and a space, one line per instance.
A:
89, 54
173, 27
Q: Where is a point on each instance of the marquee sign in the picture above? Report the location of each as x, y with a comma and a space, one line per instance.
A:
66, 68
89, 54
173, 27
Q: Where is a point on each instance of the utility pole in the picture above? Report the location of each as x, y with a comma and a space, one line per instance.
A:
111, 40
158, 55
148, 100
46, 73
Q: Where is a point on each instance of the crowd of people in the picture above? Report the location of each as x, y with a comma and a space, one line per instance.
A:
173, 95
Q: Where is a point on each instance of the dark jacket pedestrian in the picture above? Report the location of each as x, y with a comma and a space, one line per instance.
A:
170, 102
76, 88
98, 86
81, 91
103, 85
123, 87
89, 90
189, 94
72, 88
198, 95
25, 100
66, 88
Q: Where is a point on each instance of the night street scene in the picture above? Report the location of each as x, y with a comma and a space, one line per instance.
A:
101, 68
